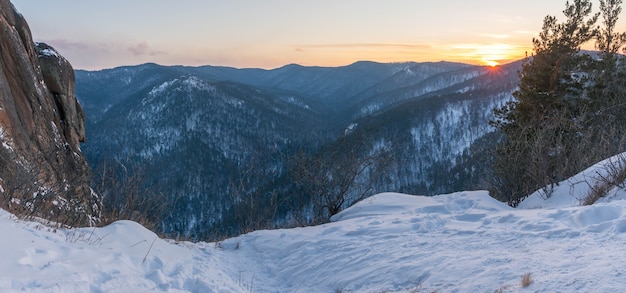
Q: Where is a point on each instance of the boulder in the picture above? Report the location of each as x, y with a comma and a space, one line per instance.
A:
58, 75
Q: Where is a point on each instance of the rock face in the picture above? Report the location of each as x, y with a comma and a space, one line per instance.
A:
58, 75
42, 170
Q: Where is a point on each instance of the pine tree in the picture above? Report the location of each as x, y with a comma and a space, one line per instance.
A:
609, 87
607, 105
539, 124
608, 41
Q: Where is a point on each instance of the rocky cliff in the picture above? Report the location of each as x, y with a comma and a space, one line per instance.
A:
42, 170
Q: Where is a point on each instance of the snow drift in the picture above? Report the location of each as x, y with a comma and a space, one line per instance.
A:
460, 242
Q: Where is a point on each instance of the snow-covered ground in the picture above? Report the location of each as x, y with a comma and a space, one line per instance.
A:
461, 242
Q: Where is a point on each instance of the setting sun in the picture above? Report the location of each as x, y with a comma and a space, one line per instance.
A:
485, 54
257, 36
492, 55
491, 63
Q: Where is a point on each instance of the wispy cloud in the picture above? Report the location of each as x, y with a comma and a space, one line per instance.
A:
142, 48
363, 45
474, 50
526, 33
485, 53
496, 36
63, 44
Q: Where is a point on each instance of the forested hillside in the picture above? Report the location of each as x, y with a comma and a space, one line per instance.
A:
226, 148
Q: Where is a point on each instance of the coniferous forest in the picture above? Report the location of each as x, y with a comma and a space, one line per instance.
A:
215, 151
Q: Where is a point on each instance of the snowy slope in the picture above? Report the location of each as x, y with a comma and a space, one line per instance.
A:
461, 242
109, 259
572, 191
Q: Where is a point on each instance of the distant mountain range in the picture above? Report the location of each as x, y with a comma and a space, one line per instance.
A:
196, 131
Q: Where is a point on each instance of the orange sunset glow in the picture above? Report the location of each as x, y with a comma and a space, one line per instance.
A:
273, 33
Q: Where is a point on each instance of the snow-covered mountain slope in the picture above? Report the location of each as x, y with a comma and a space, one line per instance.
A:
460, 242
433, 133
194, 131
333, 85
192, 136
430, 80
99, 91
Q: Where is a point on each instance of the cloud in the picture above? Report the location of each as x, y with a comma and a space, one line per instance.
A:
489, 54
66, 45
142, 48
138, 49
364, 45
526, 33
496, 36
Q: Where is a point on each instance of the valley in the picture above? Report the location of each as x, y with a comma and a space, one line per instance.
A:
215, 142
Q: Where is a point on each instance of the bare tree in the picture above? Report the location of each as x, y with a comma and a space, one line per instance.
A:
337, 177
127, 195
254, 206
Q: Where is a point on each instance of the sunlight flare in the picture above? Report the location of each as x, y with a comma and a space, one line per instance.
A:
491, 63
486, 54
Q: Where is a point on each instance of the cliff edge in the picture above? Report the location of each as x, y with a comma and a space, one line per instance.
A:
43, 172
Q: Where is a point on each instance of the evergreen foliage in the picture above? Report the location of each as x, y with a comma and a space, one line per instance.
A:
563, 116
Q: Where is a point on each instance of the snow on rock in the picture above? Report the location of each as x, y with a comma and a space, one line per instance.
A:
460, 242
350, 128
47, 52
161, 88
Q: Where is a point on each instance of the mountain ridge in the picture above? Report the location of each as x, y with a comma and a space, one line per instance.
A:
270, 119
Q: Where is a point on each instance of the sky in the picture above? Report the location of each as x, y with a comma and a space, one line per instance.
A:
271, 33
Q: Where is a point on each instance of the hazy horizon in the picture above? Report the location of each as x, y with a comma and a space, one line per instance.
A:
270, 34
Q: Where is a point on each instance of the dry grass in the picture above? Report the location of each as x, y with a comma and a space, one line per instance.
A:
526, 280
501, 289
615, 178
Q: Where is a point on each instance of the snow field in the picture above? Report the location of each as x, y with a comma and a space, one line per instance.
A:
108, 259
460, 242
